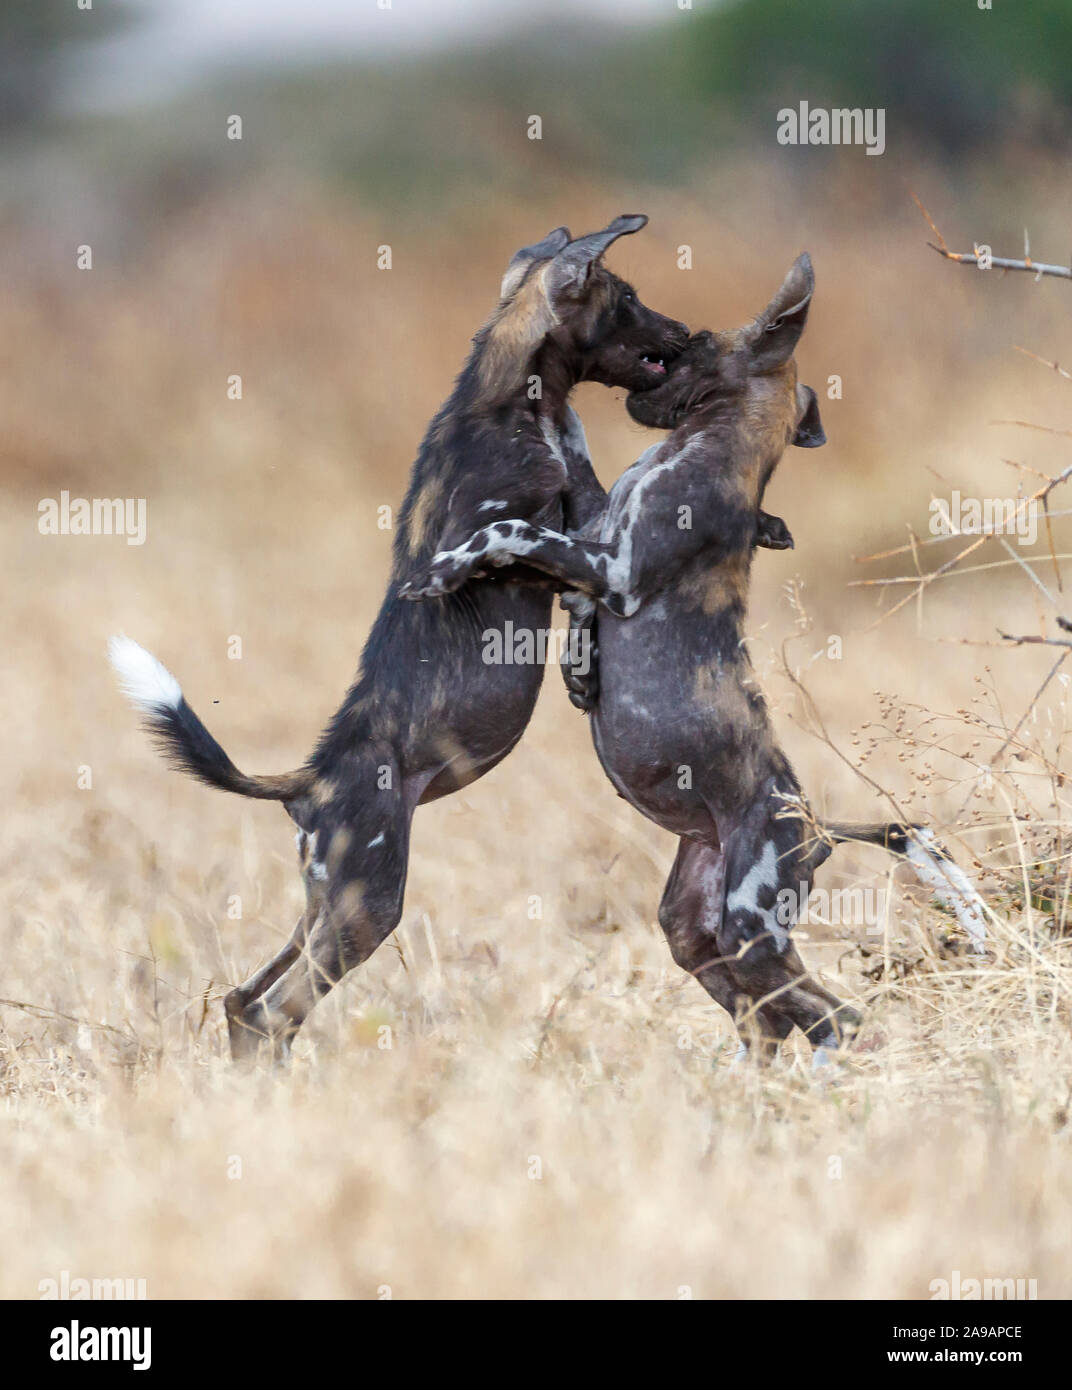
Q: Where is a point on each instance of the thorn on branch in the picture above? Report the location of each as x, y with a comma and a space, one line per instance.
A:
1037, 268
1039, 641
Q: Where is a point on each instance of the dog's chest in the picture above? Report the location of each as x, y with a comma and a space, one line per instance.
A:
657, 469
567, 446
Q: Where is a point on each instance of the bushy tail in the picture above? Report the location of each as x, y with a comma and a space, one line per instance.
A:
932, 863
181, 736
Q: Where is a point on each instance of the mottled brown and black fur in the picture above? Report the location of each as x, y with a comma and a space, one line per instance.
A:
426, 715
680, 725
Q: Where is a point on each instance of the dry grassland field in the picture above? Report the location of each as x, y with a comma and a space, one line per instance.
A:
520, 1095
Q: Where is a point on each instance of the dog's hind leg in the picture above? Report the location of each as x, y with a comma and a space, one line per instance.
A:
769, 870
237, 1002
359, 872
239, 999
690, 914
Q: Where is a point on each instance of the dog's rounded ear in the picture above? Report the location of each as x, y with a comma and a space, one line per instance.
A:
520, 261
810, 433
573, 264
775, 334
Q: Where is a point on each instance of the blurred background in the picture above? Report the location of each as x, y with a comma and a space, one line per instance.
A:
407, 125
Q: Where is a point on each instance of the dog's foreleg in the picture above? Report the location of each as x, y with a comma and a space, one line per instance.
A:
599, 570
580, 659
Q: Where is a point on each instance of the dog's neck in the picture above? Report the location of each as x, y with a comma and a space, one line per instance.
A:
540, 388
558, 374
728, 444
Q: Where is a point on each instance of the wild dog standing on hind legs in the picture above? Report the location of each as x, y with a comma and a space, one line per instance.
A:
680, 725
426, 715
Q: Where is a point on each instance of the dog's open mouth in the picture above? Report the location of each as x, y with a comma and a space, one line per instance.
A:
655, 365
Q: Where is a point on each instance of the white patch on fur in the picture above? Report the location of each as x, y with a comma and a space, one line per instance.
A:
552, 440
762, 874
633, 706
377, 841
573, 436
491, 506
318, 869
950, 885
142, 679
824, 1066
499, 549
618, 563
712, 879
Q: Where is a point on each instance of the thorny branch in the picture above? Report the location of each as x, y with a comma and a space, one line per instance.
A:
975, 257
921, 582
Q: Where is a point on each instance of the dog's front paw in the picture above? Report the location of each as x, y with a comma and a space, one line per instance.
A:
772, 533
583, 691
580, 658
581, 606
443, 575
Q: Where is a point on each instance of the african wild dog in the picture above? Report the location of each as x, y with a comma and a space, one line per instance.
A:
425, 714
680, 725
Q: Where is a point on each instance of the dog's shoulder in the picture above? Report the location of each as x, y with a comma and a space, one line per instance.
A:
667, 464
626, 485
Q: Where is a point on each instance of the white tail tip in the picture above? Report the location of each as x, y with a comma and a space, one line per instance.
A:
142, 679
951, 886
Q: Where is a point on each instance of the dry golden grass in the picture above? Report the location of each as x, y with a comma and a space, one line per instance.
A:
557, 1114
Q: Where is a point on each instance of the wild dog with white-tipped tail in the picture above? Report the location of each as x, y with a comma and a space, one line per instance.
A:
427, 714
